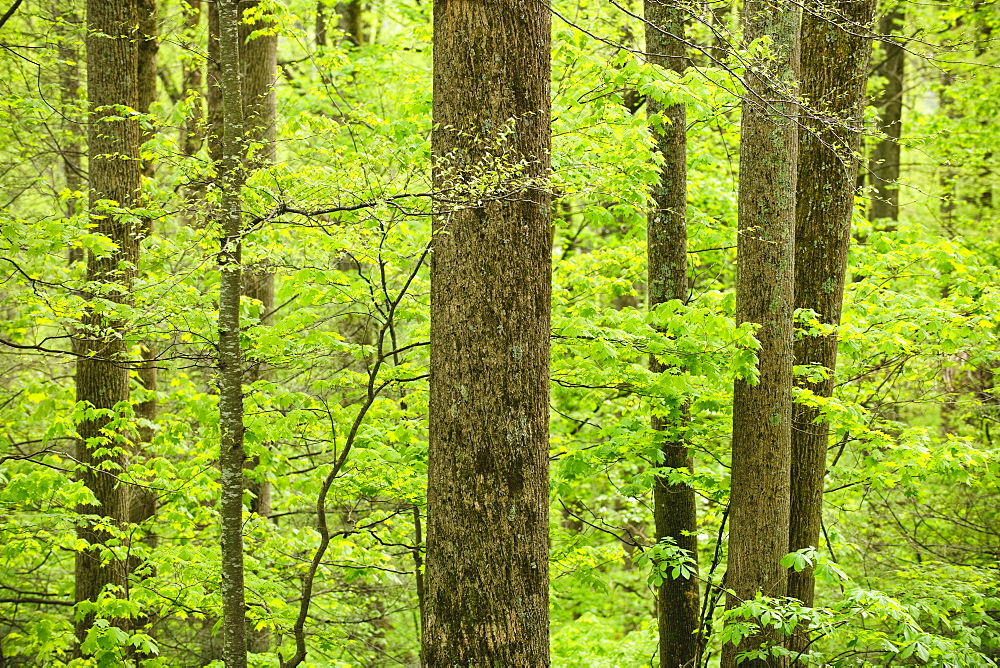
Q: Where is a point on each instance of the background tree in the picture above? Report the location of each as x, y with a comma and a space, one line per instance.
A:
884, 165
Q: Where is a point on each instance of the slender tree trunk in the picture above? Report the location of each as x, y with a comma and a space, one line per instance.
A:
884, 168
762, 412
149, 46
69, 84
836, 50
142, 505
231, 456
143, 500
321, 23
259, 63
191, 137
674, 506
213, 96
102, 377
192, 134
721, 34
486, 585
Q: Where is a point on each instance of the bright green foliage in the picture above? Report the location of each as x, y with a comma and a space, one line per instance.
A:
907, 570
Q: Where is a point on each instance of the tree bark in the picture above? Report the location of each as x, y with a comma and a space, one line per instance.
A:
149, 46
674, 506
144, 501
191, 137
762, 412
213, 96
487, 531
836, 49
884, 167
259, 62
232, 455
69, 85
102, 375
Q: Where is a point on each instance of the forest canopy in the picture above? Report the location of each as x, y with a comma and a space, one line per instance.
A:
574, 333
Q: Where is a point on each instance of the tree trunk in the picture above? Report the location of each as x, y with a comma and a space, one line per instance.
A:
231, 456
884, 168
762, 412
102, 377
349, 14
69, 85
487, 532
149, 46
259, 63
143, 500
213, 97
836, 50
191, 137
674, 506
320, 30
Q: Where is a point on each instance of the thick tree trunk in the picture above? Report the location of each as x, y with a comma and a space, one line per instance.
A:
762, 412
835, 53
231, 456
884, 167
259, 62
102, 378
674, 506
487, 533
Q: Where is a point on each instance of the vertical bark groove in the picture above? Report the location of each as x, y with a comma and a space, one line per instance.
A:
486, 584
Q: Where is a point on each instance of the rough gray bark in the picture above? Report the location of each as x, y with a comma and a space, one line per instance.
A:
884, 166
259, 64
486, 583
232, 455
836, 49
674, 506
762, 412
102, 375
